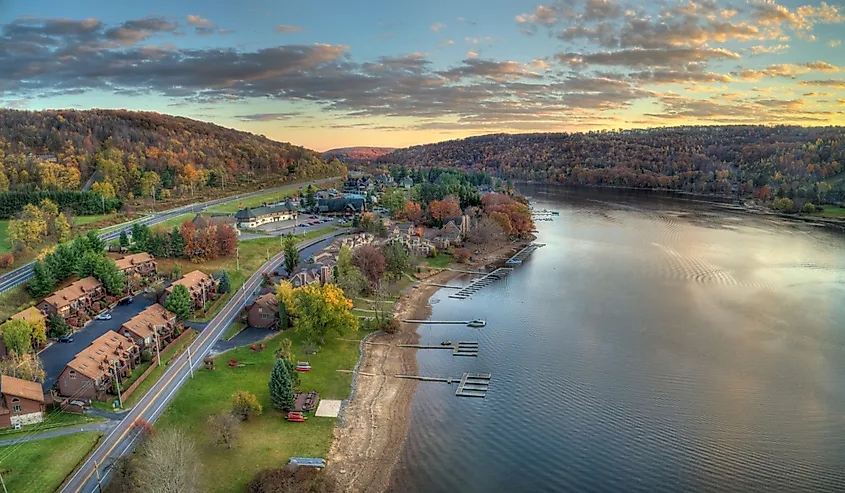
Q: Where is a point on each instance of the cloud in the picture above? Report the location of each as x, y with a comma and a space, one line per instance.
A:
668, 76
286, 29
471, 23
832, 83
196, 20
823, 67
776, 49
475, 41
268, 117
437, 27
601, 9
135, 31
447, 42
638, 57
834, 43
490, 69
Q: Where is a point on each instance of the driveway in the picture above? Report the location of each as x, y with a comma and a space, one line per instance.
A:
249, 335
60, 354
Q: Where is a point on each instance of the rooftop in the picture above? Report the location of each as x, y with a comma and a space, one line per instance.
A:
143, 323
128, 261
191, 280
93, 361
249, 213
21, 388
64, 297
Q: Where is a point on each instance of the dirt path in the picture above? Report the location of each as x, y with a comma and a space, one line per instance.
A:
365, 451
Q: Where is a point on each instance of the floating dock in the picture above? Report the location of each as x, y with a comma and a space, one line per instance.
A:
473, 385
524, 253
482, 282
469, 385
462, 348
438, 322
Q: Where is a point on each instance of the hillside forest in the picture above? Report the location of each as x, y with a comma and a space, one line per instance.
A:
769, 162
126, 155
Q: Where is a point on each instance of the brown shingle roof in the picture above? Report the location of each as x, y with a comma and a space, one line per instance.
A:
142, 324
102, 350
267, 303
29, 314
64, 297
191, 280
132, 260
21, 388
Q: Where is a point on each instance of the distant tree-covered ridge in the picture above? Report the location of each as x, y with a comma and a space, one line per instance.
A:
129, 154
767, 161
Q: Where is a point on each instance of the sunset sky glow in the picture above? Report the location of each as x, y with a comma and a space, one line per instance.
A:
396, 73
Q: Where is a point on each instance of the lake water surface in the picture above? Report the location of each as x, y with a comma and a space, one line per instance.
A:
653, 345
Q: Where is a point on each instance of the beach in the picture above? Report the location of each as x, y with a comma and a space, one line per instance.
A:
367, 446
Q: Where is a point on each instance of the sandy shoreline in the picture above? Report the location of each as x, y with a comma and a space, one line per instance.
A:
366, 450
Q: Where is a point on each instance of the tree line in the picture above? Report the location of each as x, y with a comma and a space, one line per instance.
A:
81, 203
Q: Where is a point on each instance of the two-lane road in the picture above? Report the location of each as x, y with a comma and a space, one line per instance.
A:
125, 436
24, 273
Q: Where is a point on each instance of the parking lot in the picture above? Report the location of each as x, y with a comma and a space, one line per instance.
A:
60, 354
303, 224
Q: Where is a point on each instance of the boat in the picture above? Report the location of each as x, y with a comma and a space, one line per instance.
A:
513, 261
446, 343
477, 323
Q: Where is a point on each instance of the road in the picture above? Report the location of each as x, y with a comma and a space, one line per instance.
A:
24, 273
150, 407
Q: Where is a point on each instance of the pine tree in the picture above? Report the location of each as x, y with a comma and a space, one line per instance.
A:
124, 239
179, 302
177, 243
225, 283
177, 272
95, 242
42, 281
281, 387
291, 254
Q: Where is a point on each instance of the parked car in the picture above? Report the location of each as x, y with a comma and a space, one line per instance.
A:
65, 339
126, 301
104, 316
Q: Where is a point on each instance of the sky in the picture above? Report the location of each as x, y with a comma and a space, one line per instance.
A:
330, 73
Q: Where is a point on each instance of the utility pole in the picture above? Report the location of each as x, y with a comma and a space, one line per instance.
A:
158, 347
190, 363
3, 483
238, 257
99, 484
103, 199
117, 382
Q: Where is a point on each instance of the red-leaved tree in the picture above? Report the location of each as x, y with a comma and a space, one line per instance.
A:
227, 240
370, 262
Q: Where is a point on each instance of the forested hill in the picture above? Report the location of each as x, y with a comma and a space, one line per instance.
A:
767, 161
357, 154
125, 153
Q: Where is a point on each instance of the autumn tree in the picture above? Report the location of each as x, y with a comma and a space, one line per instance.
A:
369, 260
485, 231
227, 240
412, 212
179, 302
281, 387
321, 310
26, 366
462, 255
441, 209
29, 229
245, 405
62, 227
224, 428
17, 336
168, 462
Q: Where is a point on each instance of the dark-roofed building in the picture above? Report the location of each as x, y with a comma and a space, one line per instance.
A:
90, 374
264, 312
407, 182
342, 206
250, 218
201, 286
73, 301
21, 402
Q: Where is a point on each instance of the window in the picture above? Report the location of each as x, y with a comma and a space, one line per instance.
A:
16, 409
15, 399
266, 316
72, 374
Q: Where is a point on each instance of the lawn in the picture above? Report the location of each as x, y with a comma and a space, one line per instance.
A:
832, 211
53, 420
441, 261
255, 201
267, 441
4, 237
233, 330
14, 300
175, 221
82, 220
41, 466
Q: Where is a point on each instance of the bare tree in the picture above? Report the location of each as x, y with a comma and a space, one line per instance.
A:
224, 428
168, 463
485, 231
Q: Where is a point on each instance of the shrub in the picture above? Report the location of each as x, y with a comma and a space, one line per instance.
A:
146, 355
808, 208
245, 405
7, 259
391, 326
462, 255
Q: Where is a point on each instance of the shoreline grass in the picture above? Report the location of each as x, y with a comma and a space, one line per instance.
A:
266, 441
41, 466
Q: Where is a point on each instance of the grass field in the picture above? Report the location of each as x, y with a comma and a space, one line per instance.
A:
832, 211
54, 420
40, 466
233, 330
254, 201
175, 221
4, 237
267, 441
13, 301
441, 261
82, 220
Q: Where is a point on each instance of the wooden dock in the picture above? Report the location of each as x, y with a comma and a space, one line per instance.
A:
438, 322
524, 253
442, 285
462, 348
469, 385
482, 282
473, 385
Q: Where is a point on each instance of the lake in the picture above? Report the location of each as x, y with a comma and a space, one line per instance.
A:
653, 345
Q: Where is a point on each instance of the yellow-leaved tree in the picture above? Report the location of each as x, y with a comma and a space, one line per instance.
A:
29, 229
322, 310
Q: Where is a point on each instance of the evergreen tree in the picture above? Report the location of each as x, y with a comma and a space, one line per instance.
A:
225, 283
179, 302
140, 237
42, 281
281, 387
58, 326
177, 243
94, 242
291, 254
124, 239
177, 271
157, 244
113, 279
